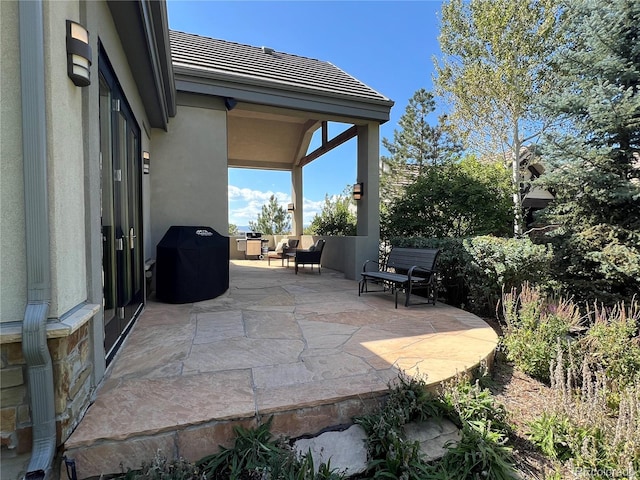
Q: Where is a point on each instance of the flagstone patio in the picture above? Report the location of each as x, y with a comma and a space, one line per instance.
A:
303, 348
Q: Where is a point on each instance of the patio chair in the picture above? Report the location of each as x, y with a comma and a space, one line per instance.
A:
311, 256
284, 246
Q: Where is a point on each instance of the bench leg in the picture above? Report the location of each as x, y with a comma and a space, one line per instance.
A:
362, 286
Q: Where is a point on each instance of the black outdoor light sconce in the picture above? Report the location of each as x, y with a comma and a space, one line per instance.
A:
78, 54
290, 208
146, 161
358, 190
230, 103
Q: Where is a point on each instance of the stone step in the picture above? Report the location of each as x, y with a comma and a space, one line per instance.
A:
193, 442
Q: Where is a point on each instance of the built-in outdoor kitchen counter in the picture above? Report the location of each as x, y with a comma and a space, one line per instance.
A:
253, 245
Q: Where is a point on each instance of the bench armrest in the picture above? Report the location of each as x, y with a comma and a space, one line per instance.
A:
418, 269
364, 266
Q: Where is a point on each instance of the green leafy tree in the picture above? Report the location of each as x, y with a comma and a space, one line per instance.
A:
273, 220
416, 146
233, 230
596, 159
337, 217
453, 200
494, 69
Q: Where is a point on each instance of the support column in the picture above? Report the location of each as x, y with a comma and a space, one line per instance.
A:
368, 175
297, 199
368, 232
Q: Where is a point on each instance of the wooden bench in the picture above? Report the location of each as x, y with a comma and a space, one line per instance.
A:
406, 269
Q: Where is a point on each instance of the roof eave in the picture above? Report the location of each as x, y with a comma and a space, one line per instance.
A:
144, 32
256, 90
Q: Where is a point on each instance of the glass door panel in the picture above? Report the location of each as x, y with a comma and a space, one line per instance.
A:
111, 321
121, 162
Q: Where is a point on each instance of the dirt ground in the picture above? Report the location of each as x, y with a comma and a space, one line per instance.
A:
525, 399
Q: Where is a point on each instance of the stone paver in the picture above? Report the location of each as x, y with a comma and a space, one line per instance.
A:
304, 348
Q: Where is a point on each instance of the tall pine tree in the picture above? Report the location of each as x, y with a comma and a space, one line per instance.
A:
596, 158
416, 146
272, 220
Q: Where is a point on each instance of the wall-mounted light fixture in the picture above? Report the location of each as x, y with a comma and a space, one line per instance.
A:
230, 103
290, 208
78, 54
146, 161
358, 190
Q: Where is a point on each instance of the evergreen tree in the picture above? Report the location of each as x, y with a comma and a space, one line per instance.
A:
596, 159
273, 220
416, 146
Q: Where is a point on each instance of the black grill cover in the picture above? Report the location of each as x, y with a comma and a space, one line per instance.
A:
192, 264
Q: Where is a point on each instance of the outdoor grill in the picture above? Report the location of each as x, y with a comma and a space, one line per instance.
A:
252, 245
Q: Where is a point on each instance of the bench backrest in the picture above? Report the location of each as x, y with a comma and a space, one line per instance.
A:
402, 259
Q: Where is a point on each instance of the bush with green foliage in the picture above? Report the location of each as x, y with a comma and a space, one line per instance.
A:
257, 455
481, 452
455, 199
613, 343
475, 271
160, 468
533, 326
592, 363
583, 428
337, 217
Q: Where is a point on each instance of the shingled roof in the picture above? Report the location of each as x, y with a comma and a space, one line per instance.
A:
210, 58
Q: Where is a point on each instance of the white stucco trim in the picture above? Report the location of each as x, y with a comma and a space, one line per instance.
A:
63, 327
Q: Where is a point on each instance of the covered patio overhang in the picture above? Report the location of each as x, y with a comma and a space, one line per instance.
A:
271, 115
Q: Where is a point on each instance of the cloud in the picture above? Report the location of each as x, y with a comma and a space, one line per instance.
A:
310, 209
246, 194
246, 204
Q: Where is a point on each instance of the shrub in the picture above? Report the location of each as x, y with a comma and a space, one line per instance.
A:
534, 325
475, 271
481, 452
600, 263
550, 433
391, 455
603, 440
612, 342
160, 468
593, 423
256, 455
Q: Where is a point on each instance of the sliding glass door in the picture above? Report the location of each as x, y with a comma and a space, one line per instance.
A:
121, 170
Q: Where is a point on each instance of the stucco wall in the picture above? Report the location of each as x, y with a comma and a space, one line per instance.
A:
13, 278
65, 133
189, 174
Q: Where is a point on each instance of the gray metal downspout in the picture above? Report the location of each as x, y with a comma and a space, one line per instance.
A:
34, 330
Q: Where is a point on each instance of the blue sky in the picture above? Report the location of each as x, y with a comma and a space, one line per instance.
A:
388, 45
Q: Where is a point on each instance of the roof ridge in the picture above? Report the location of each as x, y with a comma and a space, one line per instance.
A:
264, 66
252, 46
